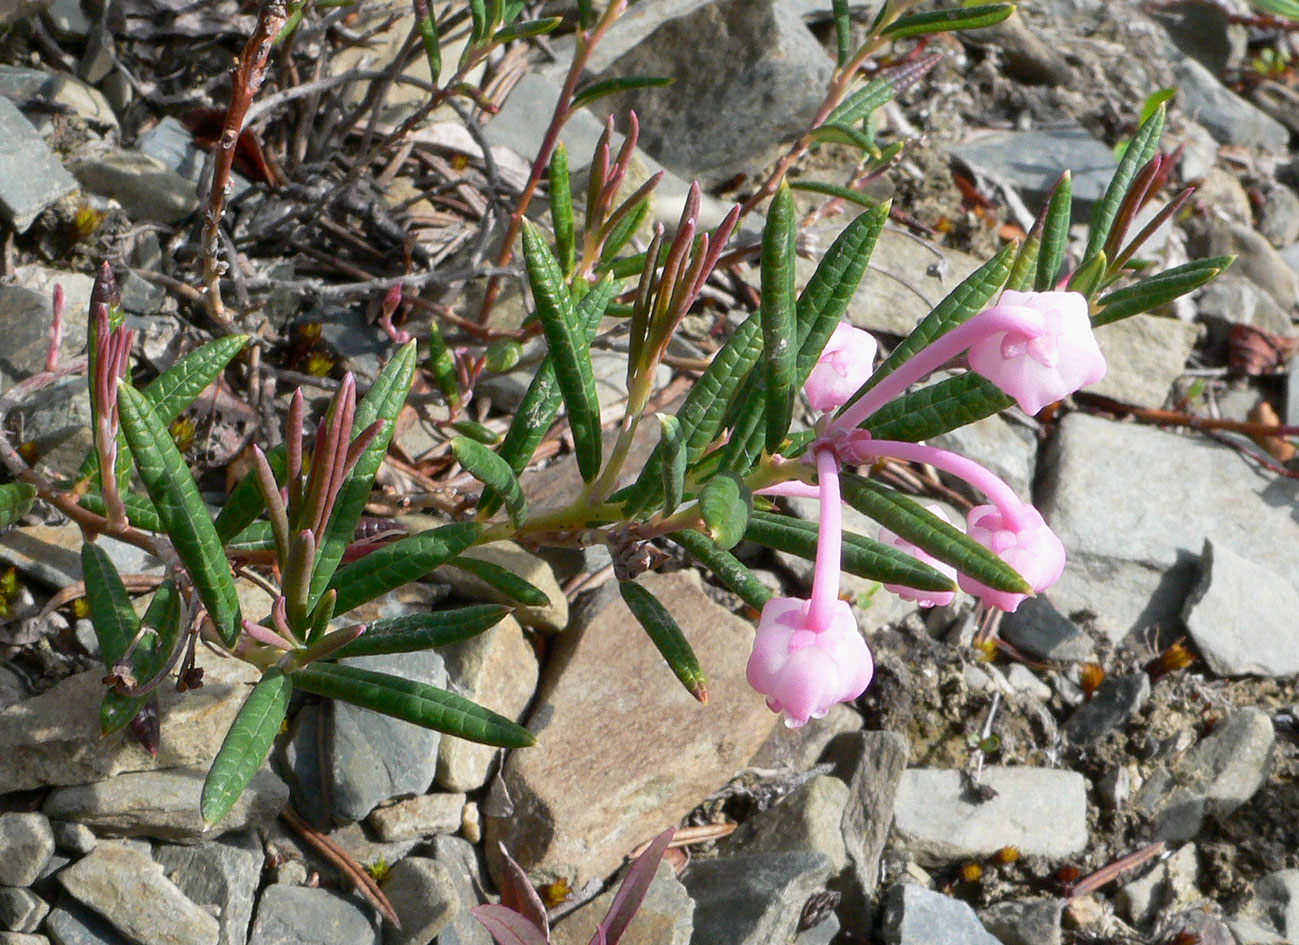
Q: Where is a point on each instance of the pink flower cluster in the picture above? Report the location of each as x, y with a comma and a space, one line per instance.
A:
1037, 347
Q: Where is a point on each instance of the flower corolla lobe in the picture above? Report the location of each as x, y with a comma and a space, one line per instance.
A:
1027, 545
845, 364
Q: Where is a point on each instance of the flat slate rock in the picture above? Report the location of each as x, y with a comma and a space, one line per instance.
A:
31, 177
1032, 161
26, 845
753, 900
916, 916
598, 783
1042, 811
1144, 356
1115, 701
298, 915
221, 875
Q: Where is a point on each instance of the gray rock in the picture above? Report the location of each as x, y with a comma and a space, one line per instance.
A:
823, 933
22, 938
711, 124
1040, 630
21, 910
1022, 680
58, 423
1144, 355
71, 923
752, 900
362, 346
148, 190
1132, 548
163, 804
1241, 616
1229, 118
11, 11
375, 757
461, 861
73, 838
127, 888
1276, 902
665, 918
55, 91
31, 177
1256, 259
808, 818
915, 916
423, 894
1169, 886
52, 554
25, 324
296, 915
1032, 161
171, 143
1041, 811
1024, 921
1115, 701
994, 443
1206, 34
66, 20
1231, 299
299, 763
222, 875
415, 817
26, 845
1279, 218
872, 764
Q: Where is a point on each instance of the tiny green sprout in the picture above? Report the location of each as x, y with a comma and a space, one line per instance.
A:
379, 868
503, 354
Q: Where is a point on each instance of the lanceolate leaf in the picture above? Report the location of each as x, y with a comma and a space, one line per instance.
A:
170, 485
861, 556
503, 580
526, 29
724, 503
667, 636
139, 510
1141, 149
1024, 269
111, 613
506, 926
413, 702
725, 567
494, 472
958, 18
561, 208
15, 501
246, 745
842, 31
1159, 289
424, 631
673, 444
635, 885
779, 326
176, 388
861, 103
1055, 234
162, 623
910, 521
930, 411
569, 350
598, 90
400, 563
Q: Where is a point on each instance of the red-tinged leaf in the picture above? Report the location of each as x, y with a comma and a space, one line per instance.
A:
632, 891
506, 926
521, 896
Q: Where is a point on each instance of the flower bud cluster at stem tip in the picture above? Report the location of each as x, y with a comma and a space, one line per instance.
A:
1036, 347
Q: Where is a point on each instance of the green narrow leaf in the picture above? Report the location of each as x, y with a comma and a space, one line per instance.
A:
172, 391
674, 462
139, 510
541, 402
245, 501
561, 209
840, 134
939, 408
246, 745
442, 365
175, 496
15, 501
428, 34
1159, 289
725, 567
400, 563
941, 21
1024, 269
495, 473
1139, 152
724, 504
667, 637
861, 103
413, 702
607, 87
620, 236
526, 29
480, 22
842, 31
779, 327
1087, 277
503, 580
423, 631
383, 401
569, 350
111, 612
1055, 235
162, 623
861, 556
916, 524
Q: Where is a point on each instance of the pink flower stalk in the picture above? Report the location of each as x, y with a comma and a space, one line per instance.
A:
845, 363
923, 598
1029, 546
804, 670
1035, 346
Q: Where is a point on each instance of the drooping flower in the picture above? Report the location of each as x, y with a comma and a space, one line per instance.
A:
1052, 355
803, 671
845, 363
1027, 544
923, 598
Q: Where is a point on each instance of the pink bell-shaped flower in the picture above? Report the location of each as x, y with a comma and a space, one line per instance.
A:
1050, 357
1027, 545
923, 598
802, 671
845, 363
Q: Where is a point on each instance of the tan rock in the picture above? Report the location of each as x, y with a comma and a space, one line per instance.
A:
623, 750
552, 616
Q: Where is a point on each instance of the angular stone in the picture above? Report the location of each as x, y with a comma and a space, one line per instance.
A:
666, 917
58, 424
222, 875
73, 838
552, 617
1256, 259
28, 88
872, 764
808, 818
163, 805
1133, 547
753, 900
1231, 299
26, 845
1276, 897
1229, 118
128, 888
1032, 161
1040, 630
170, 142
148, 190
1025, 922
1041, 811
915, 916
424, 896
461, 861
21, 910
22, 938
53, 554
25, 323
594, 787
417, 817
1241, 616
297, 915
1115, 701
31, 177
1170, 886
1144, 356
71, 923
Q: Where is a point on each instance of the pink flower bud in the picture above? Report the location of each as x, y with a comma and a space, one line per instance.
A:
801, 671
1027, 545
923, 598
845, 364
1052, 355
